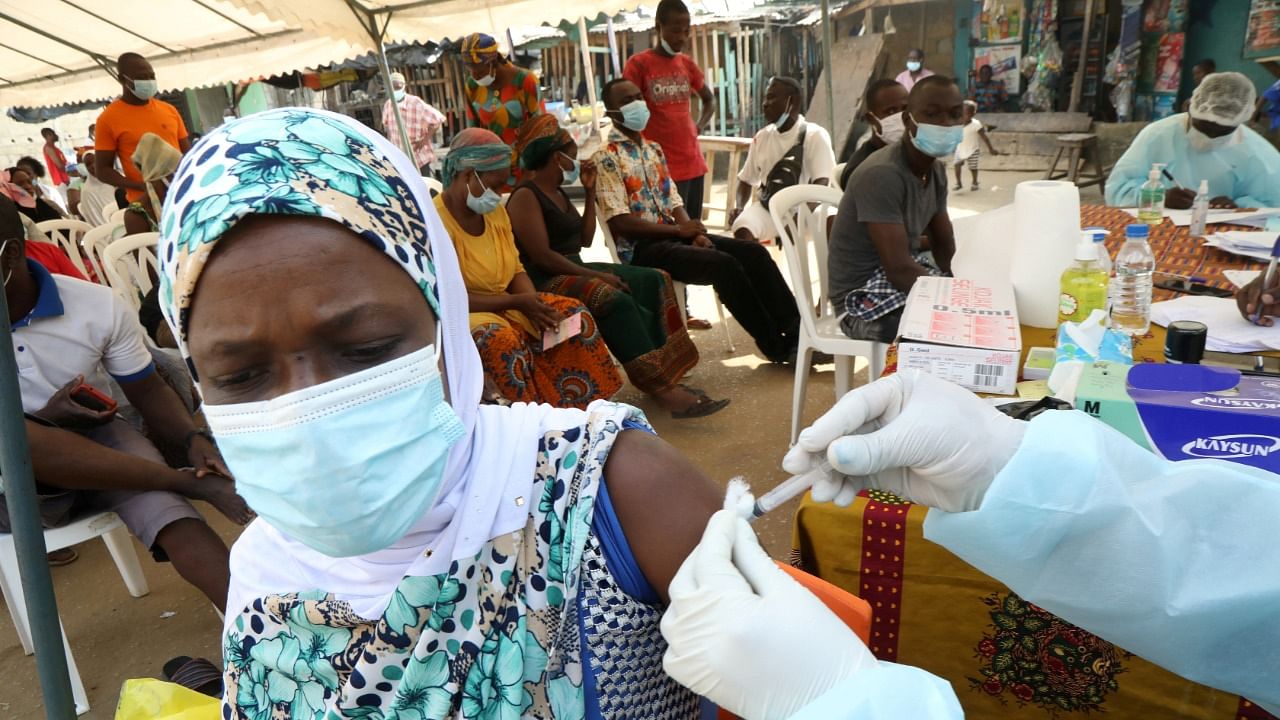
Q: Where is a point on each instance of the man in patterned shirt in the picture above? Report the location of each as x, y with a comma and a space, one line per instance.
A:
637, 197
421, 121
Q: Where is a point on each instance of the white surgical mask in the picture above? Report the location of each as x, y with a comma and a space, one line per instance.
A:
666, 46
1203, 143
345, 467
487, 80
484, 203
891, 128
145, 89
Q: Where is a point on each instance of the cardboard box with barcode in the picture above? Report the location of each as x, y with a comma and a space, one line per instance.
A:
963, 332
1188, 412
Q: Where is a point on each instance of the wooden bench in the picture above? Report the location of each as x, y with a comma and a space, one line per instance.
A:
1081, 149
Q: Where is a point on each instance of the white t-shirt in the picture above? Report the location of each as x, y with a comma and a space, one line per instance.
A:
94, 195
969, 145
769, 146
76, 328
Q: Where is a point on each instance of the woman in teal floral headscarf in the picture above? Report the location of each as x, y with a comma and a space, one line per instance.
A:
285, 244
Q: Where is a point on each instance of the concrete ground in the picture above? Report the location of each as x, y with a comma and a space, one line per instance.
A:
115, 637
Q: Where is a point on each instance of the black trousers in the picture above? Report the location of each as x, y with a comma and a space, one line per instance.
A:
691, 193
745, 277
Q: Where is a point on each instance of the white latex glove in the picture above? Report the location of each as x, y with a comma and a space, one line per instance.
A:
911, 434
744, 634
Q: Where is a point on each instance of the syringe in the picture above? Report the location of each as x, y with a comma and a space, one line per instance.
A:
790, 488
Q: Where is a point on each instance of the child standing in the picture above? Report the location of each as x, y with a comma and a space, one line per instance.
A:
969, 150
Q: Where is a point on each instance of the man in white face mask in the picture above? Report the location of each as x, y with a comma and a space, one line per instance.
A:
1211, 143
886, 103
421, 122
122, 124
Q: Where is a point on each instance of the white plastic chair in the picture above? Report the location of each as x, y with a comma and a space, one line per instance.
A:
116, 216
676, 284
93, 243
435, 186
109, 209
107, 526
836, 173
130, 264
68, 234
804, 229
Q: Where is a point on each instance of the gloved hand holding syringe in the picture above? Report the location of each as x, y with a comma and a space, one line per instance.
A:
788, 490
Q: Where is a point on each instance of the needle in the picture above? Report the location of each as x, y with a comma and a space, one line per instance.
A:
789, 489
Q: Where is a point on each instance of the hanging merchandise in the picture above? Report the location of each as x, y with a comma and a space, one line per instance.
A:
1119, 75
997, 21
1041, 93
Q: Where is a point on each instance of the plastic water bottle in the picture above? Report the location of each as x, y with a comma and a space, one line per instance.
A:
1131, 286
1099, 236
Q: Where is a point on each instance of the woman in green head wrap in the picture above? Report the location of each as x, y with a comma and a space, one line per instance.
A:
509, 318
635, 307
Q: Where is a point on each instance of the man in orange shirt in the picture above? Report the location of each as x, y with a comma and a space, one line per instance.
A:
123, 123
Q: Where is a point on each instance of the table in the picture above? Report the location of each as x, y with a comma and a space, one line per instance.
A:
933, 610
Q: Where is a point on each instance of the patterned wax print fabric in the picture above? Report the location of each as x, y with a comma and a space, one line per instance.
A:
668, 83
502, 110
517, 631
570, 374
990, 96
632, 177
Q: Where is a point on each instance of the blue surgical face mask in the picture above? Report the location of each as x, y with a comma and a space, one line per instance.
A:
913, 65
348, 466
571, 175
484, 203
398, 95
784, 117
144, 89
635, 115
938, 141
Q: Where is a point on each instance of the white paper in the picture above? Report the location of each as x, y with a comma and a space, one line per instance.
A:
1245, 247
1240, 278
1228, 331
1252, 218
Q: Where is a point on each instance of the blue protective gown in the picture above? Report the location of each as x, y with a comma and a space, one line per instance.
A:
1247, 171
1175, 562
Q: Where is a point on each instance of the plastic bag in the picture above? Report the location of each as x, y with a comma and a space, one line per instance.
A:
149, 699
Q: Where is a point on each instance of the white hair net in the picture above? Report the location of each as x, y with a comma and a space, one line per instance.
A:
1225, 98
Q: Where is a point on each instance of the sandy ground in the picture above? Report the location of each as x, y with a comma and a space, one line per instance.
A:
115, 637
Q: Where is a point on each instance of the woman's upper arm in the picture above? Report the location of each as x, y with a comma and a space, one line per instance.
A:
662, 502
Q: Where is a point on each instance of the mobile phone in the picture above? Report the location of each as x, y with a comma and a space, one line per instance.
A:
92, 398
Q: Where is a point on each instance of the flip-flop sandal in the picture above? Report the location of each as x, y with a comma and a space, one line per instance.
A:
697, 324
65, 556
693, 390
195, 674
704, 407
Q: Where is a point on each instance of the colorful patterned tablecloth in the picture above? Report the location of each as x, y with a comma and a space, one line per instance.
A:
1006, 658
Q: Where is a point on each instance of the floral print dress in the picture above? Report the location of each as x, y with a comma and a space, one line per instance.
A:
512, 632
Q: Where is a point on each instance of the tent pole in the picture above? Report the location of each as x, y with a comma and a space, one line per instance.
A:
370, 23
613, 47
28, 539
827, 69
588, 73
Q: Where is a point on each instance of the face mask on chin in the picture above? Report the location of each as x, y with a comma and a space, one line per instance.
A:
487, 80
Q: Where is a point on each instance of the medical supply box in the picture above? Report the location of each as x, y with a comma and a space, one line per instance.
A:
1188, 412
962, 331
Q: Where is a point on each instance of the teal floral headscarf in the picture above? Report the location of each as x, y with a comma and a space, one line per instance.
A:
291, 161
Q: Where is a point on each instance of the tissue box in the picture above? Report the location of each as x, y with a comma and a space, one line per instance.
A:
1188, 412
962, 332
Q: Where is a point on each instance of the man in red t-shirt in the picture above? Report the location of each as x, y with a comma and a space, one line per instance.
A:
668, 77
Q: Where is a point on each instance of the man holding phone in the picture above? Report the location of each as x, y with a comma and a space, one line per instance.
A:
68, 335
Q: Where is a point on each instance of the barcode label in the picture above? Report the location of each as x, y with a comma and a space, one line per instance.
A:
988, 375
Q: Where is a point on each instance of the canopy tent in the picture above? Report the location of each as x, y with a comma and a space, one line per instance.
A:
63, 51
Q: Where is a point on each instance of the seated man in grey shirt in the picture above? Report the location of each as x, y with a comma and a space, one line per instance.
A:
895, 196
